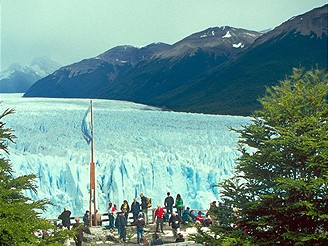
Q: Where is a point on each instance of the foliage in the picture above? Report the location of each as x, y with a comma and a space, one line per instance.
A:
129, 234
281, 179
19, 217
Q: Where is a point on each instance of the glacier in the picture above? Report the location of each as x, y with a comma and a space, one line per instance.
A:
138, 148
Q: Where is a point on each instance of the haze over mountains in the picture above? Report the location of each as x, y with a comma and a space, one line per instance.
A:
222, 70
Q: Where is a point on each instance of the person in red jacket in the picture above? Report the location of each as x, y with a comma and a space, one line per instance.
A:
159, 217
199, 219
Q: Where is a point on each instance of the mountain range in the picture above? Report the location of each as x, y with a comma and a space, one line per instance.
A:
17, 78
221, 70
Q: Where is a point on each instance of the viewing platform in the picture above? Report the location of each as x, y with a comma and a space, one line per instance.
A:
101, 235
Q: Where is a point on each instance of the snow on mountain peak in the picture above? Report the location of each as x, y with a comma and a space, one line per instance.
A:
40, 66
239, 45
15, 67
227, 35
44, 66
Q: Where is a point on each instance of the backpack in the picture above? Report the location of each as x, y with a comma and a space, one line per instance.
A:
149, 202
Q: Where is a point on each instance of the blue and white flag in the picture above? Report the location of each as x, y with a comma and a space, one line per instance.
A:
86, 126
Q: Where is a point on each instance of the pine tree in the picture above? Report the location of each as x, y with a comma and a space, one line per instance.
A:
282, 174
19, 215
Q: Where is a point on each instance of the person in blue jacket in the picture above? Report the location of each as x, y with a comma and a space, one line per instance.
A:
187, 216
135, 209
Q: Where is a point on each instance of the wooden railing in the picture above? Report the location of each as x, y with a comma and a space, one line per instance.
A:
105, 219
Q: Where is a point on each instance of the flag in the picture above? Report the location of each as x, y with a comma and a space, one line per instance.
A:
86, 126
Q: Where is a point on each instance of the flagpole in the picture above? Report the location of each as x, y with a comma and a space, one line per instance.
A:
92, 174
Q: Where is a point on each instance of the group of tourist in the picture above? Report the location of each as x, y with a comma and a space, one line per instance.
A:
119, 219
139, 210
172, 212
192, 216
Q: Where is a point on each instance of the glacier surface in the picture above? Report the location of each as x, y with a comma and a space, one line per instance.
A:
138, 148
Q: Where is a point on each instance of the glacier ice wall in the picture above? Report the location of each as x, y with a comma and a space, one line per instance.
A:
137, 149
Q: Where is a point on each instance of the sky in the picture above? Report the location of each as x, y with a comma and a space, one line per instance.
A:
68, 31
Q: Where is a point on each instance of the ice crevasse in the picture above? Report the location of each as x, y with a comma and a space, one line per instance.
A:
137, 148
